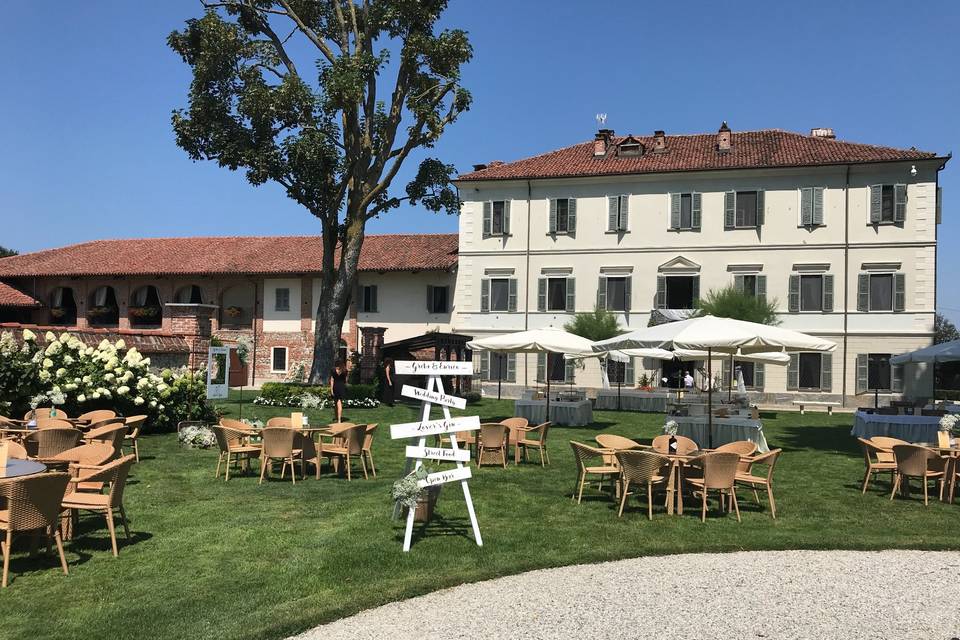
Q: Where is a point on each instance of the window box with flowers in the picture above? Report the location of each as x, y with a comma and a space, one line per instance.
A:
144, 312
58, 312
98, 312
234, 312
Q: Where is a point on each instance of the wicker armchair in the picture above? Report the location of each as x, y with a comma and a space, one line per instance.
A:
641, 468
539, 442
236, 425
886, 444
15, 450
584, 454
278, 444
914, 461
54, 423
112, 433
720, 474
113, 475
99, 415
233, 444
492, 441
515, 423
615, 443
85, 458
45, 413
33, 504
310, 453
368, 446
133, 433
744, 449
685, 446
769, 459
46, 443
280, 421
876, 460
350, 449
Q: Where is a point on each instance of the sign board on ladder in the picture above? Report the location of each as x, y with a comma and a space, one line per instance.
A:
419, 431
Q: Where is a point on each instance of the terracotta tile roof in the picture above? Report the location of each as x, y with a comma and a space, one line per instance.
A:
10, 297
229, 255
749, 150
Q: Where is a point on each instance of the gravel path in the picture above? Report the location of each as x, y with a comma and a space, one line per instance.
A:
786, 594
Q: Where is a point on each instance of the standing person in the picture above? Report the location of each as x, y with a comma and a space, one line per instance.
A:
389, 381
338, 386
687, 381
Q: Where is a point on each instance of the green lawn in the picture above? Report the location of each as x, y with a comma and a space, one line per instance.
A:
235, 560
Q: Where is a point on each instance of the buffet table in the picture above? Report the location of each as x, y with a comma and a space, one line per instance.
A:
566, 413
724, 430
633, 400
907, 428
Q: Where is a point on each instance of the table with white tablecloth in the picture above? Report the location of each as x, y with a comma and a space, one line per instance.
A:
573, 414
633, 400
724, 430
907, 428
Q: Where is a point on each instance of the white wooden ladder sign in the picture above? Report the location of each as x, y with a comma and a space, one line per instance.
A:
434, 394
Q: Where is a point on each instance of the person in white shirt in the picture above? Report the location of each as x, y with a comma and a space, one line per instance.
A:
687, 380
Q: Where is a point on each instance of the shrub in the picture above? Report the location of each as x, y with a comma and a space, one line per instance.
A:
291, 394
472, 397
197, 437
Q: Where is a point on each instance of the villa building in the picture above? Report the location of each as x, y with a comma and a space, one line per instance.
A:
842, 236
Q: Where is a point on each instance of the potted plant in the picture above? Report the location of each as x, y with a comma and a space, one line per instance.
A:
144, 312
234, 312
96, 312
408, 492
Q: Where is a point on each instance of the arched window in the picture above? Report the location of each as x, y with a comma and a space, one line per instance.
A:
63, 307
237, 306
145, 308
102, 309
190, 294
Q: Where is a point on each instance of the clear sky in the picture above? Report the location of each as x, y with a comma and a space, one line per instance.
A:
88, 89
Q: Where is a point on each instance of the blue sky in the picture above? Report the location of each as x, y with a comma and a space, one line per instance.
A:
89, 87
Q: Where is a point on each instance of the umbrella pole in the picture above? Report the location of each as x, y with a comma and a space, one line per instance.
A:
709, 399
730, 382
499, 375
548, 393
619, 382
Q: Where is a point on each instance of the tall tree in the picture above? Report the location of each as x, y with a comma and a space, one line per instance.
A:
6, 253
944, 330
332, 131
730, 302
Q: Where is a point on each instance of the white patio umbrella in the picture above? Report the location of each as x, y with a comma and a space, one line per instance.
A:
548, 340
720, 335
943, 352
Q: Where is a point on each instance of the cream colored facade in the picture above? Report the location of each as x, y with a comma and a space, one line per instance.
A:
844, 247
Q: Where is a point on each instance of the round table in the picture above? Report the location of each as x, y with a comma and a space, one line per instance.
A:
16, 468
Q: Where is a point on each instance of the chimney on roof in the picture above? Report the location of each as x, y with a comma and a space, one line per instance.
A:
823, 132
479, 167
601, 141
723, 138
659, 141
495, 163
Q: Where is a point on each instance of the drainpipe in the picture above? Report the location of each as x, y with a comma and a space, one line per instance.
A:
526, 282
846, 279
253, 371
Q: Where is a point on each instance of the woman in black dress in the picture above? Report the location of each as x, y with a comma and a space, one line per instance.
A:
389, 381
338, 386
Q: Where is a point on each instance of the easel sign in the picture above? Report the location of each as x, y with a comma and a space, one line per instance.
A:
218, 372
419, 431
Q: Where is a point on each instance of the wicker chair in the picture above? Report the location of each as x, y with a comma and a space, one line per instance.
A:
133, 433
744, 449
914, 461
876, 460
584, 454
539, 443
86, 457
54, 423
368, 446
45, 413
493, 440
278, 444
46, 443
350, 449
232, 444
943, 439
112, 433
720, 474
15, 450
886, 444
113, 475
99, 415
515, 424
236, 425
280, 422
641, 468
685, 446
33, 504
769, 459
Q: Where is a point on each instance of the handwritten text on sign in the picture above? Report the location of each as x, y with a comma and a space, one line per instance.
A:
434, 368
434, 427
442, 477
438, 453
432, 396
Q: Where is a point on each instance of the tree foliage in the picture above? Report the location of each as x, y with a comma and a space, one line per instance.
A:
380, 80
6, 253
730, 302
944, 330
598, 324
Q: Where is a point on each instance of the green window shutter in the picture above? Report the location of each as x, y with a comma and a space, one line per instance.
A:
541, 294
512, 295
429, 298
817, 206
826, 372
553, 216
761, 207
759, 376
876, 196
629, 375
863, 292
899, 291
793, 372
726, 375
738, 283
511, 367
571, 295
674, 210
568, 369
806, 206
793, 304
484, 365
661, 292
627, 294
695, 210
696, 291
762, 288
506, 217
541, 367
487, 219
896, 378
571, 215
612, 212
373, 297
729, 209
899, 202
624, 220
602, 293
484, 295
827, 292
862, 372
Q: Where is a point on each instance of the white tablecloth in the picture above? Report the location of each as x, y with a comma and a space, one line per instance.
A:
724, 430
633, 400
573, 414
908, 428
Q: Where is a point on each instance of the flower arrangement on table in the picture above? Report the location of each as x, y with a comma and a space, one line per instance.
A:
671, 428
144, 312
234, 312
949, 422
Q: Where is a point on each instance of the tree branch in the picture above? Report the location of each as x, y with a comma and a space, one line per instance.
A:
307, 31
